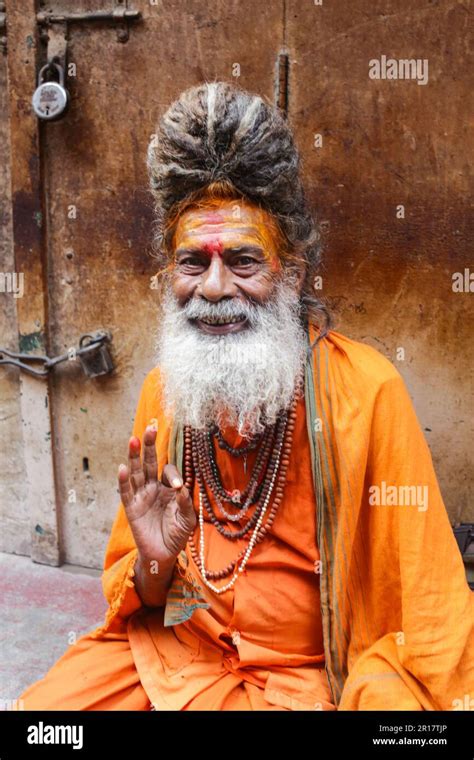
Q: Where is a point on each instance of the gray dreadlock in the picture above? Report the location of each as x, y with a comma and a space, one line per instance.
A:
219, 137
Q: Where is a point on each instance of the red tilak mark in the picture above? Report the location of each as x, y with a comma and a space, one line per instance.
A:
213, 247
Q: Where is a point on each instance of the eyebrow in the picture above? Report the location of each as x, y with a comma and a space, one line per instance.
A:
231, 249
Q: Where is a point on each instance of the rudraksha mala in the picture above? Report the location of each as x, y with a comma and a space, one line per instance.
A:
268, 476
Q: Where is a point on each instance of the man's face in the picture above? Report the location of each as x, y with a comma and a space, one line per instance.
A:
231, 343
227, 251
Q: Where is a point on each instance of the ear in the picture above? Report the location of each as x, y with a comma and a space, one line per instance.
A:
300, 273
295, 275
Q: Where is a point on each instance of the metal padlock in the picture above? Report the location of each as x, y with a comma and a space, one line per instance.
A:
50, 99
94, 354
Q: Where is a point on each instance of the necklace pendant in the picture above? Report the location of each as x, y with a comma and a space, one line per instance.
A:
245, 464
235, 497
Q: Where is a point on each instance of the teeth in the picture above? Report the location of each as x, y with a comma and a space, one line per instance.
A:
221, 320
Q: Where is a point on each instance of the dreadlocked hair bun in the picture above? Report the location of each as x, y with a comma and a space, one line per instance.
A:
217, 134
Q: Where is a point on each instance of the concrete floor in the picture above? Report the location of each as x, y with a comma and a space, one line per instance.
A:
42, 608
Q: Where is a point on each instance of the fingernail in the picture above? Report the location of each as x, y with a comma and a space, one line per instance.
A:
176, 482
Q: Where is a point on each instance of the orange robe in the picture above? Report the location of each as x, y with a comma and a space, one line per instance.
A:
385, 624
259, 645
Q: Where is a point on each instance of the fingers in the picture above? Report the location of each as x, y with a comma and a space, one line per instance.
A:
137, 476
125, 488
171, 477
150, 465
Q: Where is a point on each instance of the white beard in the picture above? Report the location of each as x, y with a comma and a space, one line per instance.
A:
244, 379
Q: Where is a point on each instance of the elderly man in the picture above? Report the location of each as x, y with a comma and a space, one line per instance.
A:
281, 541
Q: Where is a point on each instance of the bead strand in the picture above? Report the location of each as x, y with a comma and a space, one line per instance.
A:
276, 471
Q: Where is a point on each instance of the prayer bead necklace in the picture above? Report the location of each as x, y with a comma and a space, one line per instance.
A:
204, 477
252, 489
236, 452
241, 451
273, 456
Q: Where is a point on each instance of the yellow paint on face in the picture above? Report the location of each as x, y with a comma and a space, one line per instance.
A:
222, 223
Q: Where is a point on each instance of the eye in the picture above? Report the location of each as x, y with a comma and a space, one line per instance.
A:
190, 261
244, 261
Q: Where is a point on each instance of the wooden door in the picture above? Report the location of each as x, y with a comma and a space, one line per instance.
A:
94, 253
78, 220
392, 184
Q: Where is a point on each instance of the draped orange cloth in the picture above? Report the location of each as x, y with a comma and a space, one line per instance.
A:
258, 646
386, 623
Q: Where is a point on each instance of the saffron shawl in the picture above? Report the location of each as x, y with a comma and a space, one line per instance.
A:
396, 608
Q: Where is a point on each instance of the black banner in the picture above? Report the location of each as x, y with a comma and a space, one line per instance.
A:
125, 734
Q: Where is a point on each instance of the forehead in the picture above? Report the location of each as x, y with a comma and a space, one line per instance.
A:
226, 220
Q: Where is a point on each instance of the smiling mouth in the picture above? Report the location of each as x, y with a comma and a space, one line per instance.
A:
221, 325
221, 320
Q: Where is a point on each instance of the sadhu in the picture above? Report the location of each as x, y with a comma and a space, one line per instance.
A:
250, 566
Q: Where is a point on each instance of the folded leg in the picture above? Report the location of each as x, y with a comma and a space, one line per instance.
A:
378, 681
93, 674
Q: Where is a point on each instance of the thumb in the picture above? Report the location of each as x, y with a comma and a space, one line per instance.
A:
185, 502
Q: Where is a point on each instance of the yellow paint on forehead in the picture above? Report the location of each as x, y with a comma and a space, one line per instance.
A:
228, 219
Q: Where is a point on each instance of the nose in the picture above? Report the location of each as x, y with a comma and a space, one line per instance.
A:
216, 282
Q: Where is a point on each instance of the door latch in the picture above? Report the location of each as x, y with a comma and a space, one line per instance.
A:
51, 98
120, 14
93, 354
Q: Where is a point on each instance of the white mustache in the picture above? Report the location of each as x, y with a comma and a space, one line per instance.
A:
231, 310
245, 379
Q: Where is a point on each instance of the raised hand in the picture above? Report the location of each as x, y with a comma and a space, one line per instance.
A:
161, 513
